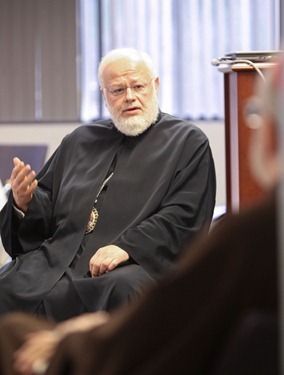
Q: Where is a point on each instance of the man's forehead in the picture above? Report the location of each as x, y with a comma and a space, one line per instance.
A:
124, 68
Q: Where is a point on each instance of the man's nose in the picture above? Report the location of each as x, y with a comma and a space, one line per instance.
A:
129, 95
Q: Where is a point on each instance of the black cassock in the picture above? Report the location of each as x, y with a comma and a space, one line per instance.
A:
161, 194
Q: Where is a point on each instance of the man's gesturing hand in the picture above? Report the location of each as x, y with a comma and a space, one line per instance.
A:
106, 259
23, 184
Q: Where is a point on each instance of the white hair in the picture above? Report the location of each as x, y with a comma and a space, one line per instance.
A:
125, 53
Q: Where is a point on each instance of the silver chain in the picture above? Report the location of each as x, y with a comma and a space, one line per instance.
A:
103, 185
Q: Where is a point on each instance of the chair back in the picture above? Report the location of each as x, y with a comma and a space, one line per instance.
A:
34, 155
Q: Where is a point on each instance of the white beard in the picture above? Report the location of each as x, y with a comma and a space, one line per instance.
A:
136, 125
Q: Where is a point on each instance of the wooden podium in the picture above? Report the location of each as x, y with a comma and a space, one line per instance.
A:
239, 83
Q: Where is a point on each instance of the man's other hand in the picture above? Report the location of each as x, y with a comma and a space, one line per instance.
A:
106, 259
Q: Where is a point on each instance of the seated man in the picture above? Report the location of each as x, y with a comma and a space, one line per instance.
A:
111, 209
183, 324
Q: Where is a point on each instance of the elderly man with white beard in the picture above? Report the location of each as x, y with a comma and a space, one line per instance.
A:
216, 313
112, 208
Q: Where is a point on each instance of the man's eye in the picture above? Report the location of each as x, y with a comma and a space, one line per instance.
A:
120, 90
138, 87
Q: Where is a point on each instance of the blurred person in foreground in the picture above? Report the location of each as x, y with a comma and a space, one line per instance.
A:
183, 325
112, 208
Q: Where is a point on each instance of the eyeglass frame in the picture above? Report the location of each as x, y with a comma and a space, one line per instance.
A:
124, 88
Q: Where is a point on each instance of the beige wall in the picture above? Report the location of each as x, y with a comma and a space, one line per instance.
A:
215, 131
51, 134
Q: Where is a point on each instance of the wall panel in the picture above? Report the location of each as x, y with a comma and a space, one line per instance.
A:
38, 61
17, 66
58, 53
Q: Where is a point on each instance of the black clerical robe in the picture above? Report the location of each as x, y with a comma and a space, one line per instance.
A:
161, 194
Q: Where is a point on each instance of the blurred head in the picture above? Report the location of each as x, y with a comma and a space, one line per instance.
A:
129, 85
262, 118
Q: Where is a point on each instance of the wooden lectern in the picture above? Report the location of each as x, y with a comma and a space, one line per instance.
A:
239, 81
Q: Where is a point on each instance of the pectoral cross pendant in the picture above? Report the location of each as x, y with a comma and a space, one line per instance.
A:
94, 216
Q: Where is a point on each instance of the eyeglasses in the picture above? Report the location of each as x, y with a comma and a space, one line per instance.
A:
137, 87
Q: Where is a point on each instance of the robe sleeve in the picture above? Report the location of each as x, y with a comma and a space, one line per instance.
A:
186, 208
21, 236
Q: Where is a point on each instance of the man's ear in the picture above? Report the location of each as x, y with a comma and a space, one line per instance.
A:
103, 94
157, 84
